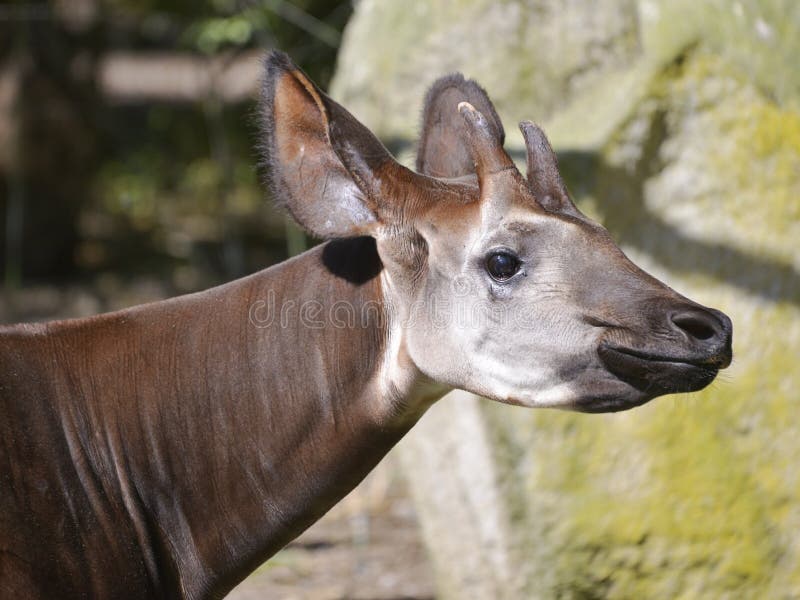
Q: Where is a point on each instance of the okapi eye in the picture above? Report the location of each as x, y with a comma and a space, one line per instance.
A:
502, 265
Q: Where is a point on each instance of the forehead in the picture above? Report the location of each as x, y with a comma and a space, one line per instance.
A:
521, 220
528, 229
453, 219
499, 219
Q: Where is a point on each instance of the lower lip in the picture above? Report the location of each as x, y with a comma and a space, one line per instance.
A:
607, 405
657, 375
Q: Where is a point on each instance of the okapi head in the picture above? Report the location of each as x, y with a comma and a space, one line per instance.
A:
493, 282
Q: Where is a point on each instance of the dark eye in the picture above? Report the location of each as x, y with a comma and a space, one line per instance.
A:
502, 265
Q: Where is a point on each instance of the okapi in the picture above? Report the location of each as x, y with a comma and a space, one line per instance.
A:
166, 450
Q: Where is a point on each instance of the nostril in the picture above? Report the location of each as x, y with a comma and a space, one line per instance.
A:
698, 325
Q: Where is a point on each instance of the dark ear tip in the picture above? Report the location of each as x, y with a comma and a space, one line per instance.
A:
276, 65
454, 80
276, 61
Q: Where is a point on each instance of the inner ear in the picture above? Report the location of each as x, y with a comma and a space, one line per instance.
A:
443, 146
303, 171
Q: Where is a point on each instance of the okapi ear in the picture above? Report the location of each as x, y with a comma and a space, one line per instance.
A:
319, 160
443, 146
544, 180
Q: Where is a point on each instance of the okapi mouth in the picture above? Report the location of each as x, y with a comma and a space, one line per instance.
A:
655, 374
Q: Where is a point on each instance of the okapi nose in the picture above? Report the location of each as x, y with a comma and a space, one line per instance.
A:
708, 328
696, 324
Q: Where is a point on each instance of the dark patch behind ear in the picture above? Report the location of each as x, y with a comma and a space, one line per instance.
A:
443, 146
354, 259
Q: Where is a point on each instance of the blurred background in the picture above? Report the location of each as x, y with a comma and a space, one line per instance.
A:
128, 173
127, 136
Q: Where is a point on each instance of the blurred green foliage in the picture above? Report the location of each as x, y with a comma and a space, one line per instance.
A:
310, 30
158, 184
